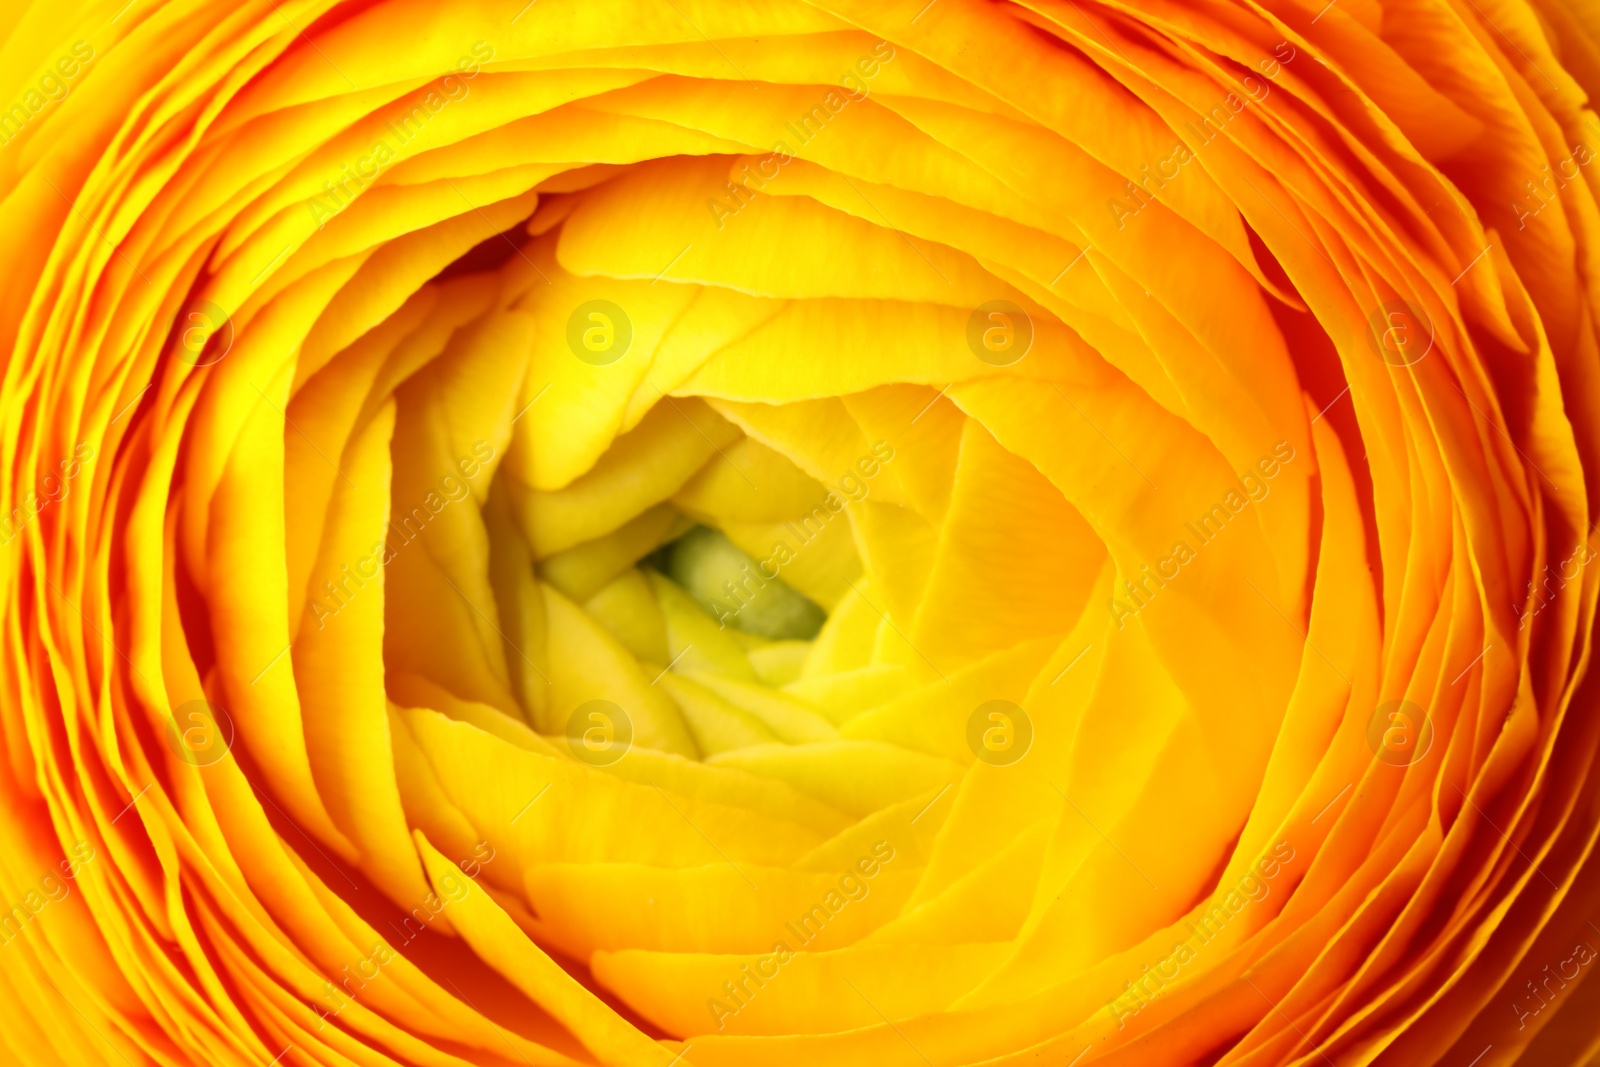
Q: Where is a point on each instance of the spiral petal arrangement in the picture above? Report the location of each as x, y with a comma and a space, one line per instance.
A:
654, 532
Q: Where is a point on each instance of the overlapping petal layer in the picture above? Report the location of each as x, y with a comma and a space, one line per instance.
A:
433, 433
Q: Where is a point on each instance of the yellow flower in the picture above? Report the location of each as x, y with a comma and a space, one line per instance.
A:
543, 531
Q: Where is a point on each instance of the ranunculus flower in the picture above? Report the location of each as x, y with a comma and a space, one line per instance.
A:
871, 534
